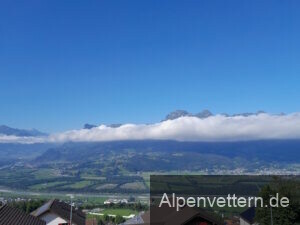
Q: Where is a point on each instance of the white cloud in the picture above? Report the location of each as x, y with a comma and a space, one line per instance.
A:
24, 140
214, 128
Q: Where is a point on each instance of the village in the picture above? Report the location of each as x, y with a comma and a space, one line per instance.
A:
57, 212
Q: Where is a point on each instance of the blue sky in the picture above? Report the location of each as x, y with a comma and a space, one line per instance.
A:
66, 63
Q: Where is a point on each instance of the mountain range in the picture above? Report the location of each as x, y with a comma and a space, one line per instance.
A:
279, 151
5, 130
124, 166
181, 113
205, 114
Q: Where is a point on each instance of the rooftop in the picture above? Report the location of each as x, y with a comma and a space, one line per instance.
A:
62, 209
13, 216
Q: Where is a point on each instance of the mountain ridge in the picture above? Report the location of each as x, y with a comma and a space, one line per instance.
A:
6, 130
205, 113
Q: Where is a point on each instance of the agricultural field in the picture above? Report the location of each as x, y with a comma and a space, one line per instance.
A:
56, 180
120, 211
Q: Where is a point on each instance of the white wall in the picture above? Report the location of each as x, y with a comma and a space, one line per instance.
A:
52, 219
243, 222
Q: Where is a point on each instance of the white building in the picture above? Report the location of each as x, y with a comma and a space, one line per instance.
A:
116, 201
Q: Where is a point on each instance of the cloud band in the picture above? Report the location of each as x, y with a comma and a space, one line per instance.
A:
213, 128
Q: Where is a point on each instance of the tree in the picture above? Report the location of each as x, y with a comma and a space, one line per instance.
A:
281, 215
28, 205
105, 217
100, 221
131, 199
262, 214
119, 219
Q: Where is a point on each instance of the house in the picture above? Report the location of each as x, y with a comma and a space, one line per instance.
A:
56, 212
233, 221
115, 201
186, 216
247, 217
91, 221
14, 216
